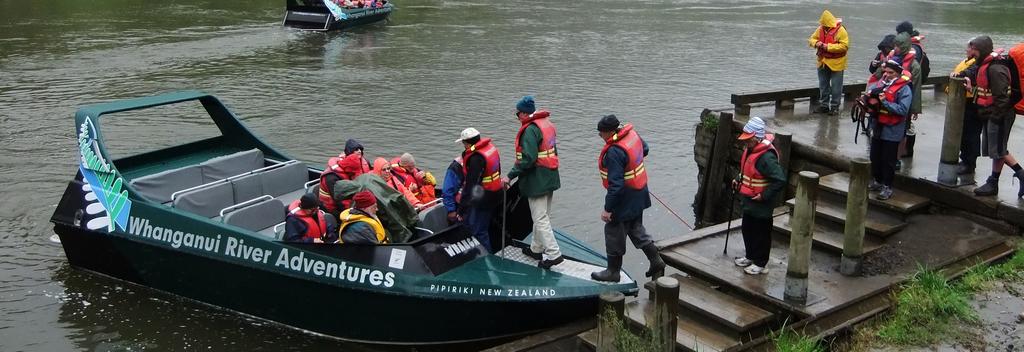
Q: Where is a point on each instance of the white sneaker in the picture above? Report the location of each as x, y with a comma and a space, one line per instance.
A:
753, 269
743, 261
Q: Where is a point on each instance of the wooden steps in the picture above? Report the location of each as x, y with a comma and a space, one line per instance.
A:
692, 333
826, 236
727, 310
876, 223
901, 202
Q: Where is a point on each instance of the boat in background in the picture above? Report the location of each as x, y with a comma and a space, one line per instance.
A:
324, 15
203, 220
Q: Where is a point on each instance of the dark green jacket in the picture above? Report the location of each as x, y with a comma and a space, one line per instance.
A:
768, 165
533, 181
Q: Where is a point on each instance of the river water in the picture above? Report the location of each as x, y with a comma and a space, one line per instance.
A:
410, 85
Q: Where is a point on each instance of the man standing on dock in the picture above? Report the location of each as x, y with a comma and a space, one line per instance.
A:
623, 174
831, 42
762, 178
996, 108
537, 169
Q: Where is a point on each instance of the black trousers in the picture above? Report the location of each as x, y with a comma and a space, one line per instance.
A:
970, 142
757, 239
615, 234
884, 155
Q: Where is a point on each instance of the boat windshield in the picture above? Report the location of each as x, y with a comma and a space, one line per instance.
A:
136, 132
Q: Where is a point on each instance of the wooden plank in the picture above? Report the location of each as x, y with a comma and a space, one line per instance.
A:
826, 237
691, 334
730, 311
720, 154
546, 337
902, 202
876, 223
796, 93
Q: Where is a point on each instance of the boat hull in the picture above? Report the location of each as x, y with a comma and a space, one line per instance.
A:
340, 312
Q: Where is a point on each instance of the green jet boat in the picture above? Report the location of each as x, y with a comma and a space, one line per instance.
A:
324, 15
203, 220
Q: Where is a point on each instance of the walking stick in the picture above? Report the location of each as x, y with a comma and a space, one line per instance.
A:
728, 225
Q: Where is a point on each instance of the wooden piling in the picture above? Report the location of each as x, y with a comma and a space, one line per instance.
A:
616, 302
666, 310
856, 212
802, 222
952, 133
719, 157
784, 106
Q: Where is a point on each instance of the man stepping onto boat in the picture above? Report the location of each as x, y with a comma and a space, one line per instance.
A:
305, 222
481, 187
623, 174
762, 179
359, 224
537, 169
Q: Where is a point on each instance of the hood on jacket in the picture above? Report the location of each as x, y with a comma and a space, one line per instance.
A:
379, 164
902, 41
827, 19
352, 164
536, 115
352, 145
887, 44
983, 44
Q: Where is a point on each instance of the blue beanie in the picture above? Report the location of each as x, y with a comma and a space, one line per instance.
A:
526, 105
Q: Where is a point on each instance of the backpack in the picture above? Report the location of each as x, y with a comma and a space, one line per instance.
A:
922, 59
1014, 60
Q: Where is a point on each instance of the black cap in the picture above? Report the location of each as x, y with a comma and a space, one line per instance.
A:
609, 123
309, 201
983, 44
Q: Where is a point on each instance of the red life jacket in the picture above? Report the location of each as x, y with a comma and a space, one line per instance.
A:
492, 169
753, 182
334, 166
829, 37
983, 96
627, 139
889, 94
314, 228
547, 155
408, 178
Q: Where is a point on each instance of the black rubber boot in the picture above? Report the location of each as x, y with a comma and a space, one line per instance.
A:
1020, 178
990, 188
657, 265
612, 273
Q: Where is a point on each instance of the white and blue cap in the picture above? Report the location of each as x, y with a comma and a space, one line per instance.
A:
754, 128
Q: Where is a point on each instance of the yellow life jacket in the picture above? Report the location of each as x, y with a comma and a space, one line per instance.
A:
348, 218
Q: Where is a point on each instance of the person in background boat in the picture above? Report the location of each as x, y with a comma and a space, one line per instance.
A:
970, 141
624, 176
762, 178
305, 222
831, 42
359, 224
537, 169
420, 183
346, 166
481, 186
451, 189
884, 48
382, 168
996, 108
892, 95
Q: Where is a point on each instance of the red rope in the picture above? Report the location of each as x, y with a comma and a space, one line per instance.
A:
671, 211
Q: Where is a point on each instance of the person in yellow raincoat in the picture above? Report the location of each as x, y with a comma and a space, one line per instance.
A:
831, 42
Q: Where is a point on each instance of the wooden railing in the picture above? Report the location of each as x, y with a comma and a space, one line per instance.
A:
785, 100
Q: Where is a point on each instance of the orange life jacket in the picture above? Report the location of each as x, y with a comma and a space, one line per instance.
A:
334, 166
492, 169
884, 116
314, 228
753, 182
424, 191
627, 139
829, 37
547, 154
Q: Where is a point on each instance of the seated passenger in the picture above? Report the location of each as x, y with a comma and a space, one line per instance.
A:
346, 166
419, 182
305, 222
382, 168
359, 224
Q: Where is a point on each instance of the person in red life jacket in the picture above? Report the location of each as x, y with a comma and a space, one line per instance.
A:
536, 168
346, 166
420, 183
917, 43
892, 96
451, 189
481, 186
761, 179
359, 224
624, 176
995, 107
884, 48
831, 42
382, 168
305, 222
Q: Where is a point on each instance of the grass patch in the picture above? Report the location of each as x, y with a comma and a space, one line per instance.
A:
791, 341
626, 340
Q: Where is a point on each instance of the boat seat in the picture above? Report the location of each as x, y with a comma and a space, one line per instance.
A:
247, 187
434, 219
206, 201
159, 186
258, 216
285, 179
226, 166
292, 196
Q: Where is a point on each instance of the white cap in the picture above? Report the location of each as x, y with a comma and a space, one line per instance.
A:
467, 134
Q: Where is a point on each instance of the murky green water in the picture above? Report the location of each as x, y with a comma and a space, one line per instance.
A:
408, 85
